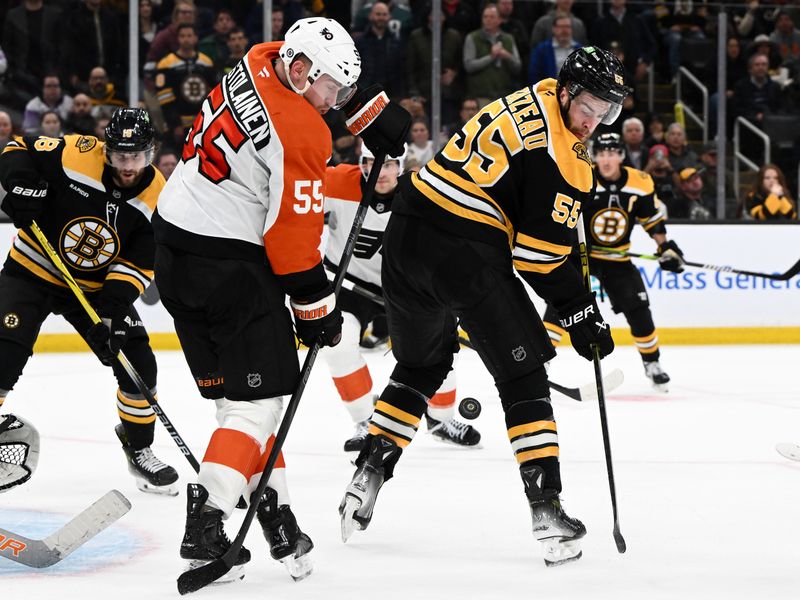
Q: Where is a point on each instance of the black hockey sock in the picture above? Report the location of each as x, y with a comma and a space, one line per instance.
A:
644, 333
398, 413
534, 438
138, 419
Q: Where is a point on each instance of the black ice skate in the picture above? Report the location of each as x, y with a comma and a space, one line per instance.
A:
287, 543
454, 432
559, 533
356, 443
656, 374
152, 475
375, 465
204, 539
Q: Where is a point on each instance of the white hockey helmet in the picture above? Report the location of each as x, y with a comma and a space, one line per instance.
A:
331, 51
367, 153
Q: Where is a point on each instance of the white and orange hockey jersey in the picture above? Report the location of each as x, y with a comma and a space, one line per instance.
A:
251, 179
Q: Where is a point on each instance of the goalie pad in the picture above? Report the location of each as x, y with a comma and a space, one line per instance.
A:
19, 451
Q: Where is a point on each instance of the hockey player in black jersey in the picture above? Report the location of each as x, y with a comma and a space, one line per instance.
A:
503, 195
624, 196
93, 201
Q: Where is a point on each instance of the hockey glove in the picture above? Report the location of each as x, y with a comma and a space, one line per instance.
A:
586, 327
24, 201
671, 257
318, 318
108, 337
383, 125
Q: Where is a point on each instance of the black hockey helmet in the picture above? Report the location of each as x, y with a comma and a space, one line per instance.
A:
608, 141
598, 72
130, 130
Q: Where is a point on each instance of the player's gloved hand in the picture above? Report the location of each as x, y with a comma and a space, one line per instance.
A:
24, 200
586, 327
383, 125
318, 318
671, 257
107, 337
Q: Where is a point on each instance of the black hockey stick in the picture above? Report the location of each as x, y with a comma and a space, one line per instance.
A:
123, 360
195, 579
586, 392
47, 552
793, 270
601, 397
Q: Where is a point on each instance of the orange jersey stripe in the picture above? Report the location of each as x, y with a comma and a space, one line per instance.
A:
233, 449
355, 385
343, 182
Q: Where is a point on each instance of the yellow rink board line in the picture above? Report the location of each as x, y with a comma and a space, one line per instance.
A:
667, 336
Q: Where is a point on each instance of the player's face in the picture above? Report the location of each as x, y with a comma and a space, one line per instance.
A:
609, 163
128, 167
326, 93
585, 113
387, 180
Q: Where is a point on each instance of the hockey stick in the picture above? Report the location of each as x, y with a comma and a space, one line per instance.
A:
793, 270
47, 552
601, 398
586, 392
123, 360
198, 578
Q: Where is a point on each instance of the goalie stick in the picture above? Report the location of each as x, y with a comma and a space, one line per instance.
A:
789, 450
40, 554
583, 393
793, 270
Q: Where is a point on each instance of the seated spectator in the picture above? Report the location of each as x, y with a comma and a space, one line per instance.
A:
680, 155
382, 53
542, 29
769, 200
166, 40
490, 59
237, 48
6, 129
620, 24
102, 93
469, 108
50, 125
420, 146
80, 119
166, 161
215, 46
655, 131
787, 37
766, 47
678, 21
51, 98
398, 22
756, 95
636, 152
691, 202
660, 169
549, 55
183, 80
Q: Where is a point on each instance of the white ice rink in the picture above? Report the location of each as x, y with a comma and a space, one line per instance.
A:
708, 508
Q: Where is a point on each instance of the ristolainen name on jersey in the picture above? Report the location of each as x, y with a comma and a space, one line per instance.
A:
246, 105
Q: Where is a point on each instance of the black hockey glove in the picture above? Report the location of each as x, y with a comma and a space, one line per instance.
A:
383, 125
318, 318
586, 327
24, 200
671, 257
108, 337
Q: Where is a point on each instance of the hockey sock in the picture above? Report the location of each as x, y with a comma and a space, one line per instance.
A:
442, 404
137, 417
277, 479
355, 390
229, 462
350, 372
534, 438
644, 333
398, 413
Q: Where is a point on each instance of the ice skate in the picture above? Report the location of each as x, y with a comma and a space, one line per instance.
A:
287, 543
204, 539
372, 342
152, 475
656, 374
559, 533
355, 444
375, 465
454, 432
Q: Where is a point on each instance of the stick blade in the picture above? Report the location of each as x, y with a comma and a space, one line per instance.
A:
620, 541
196, 579
611, 381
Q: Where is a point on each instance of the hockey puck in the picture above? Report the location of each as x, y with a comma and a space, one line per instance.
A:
469, 408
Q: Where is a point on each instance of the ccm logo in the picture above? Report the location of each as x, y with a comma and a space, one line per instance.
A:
8, 543
28, 192
311, 313
577, 317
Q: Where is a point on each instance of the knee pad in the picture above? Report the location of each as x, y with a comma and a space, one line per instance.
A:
15, 356
345, 357
256, 418
529, 387
425, 380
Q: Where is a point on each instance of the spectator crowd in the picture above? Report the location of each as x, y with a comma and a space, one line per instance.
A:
64, 68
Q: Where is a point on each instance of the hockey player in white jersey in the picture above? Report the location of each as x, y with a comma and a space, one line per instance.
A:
360, 300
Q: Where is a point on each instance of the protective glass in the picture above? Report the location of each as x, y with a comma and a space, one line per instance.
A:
330, 90
129, 161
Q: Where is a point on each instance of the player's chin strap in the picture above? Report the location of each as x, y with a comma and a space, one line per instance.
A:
126, 364
601, 397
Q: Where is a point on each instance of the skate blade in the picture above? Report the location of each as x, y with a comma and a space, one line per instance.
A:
558, 552
299, 567
235, 574
661, 387
145, 486
348, 510
789, 450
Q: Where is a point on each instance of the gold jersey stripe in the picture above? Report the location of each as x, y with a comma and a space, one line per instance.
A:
465, 184
397, 413
554, 328
519, 430
131, 402
127, 279
140, 420
523, 457
647, 338
532, 242
522, 265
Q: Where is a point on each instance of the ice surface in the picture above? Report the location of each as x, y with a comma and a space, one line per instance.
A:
708, 508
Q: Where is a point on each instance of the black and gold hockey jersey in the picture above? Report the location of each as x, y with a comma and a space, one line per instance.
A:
101, 231
514, 176
181, 86
610, 215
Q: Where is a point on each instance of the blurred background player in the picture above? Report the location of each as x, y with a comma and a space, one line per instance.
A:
503, 195
93, 201
624, 196
238, 229
344, 189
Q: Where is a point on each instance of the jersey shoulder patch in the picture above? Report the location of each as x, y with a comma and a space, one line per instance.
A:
638, 182
343, 182
83, 159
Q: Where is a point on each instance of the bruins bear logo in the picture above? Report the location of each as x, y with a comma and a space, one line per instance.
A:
88, 243
85, 143
609, 226
582, 153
